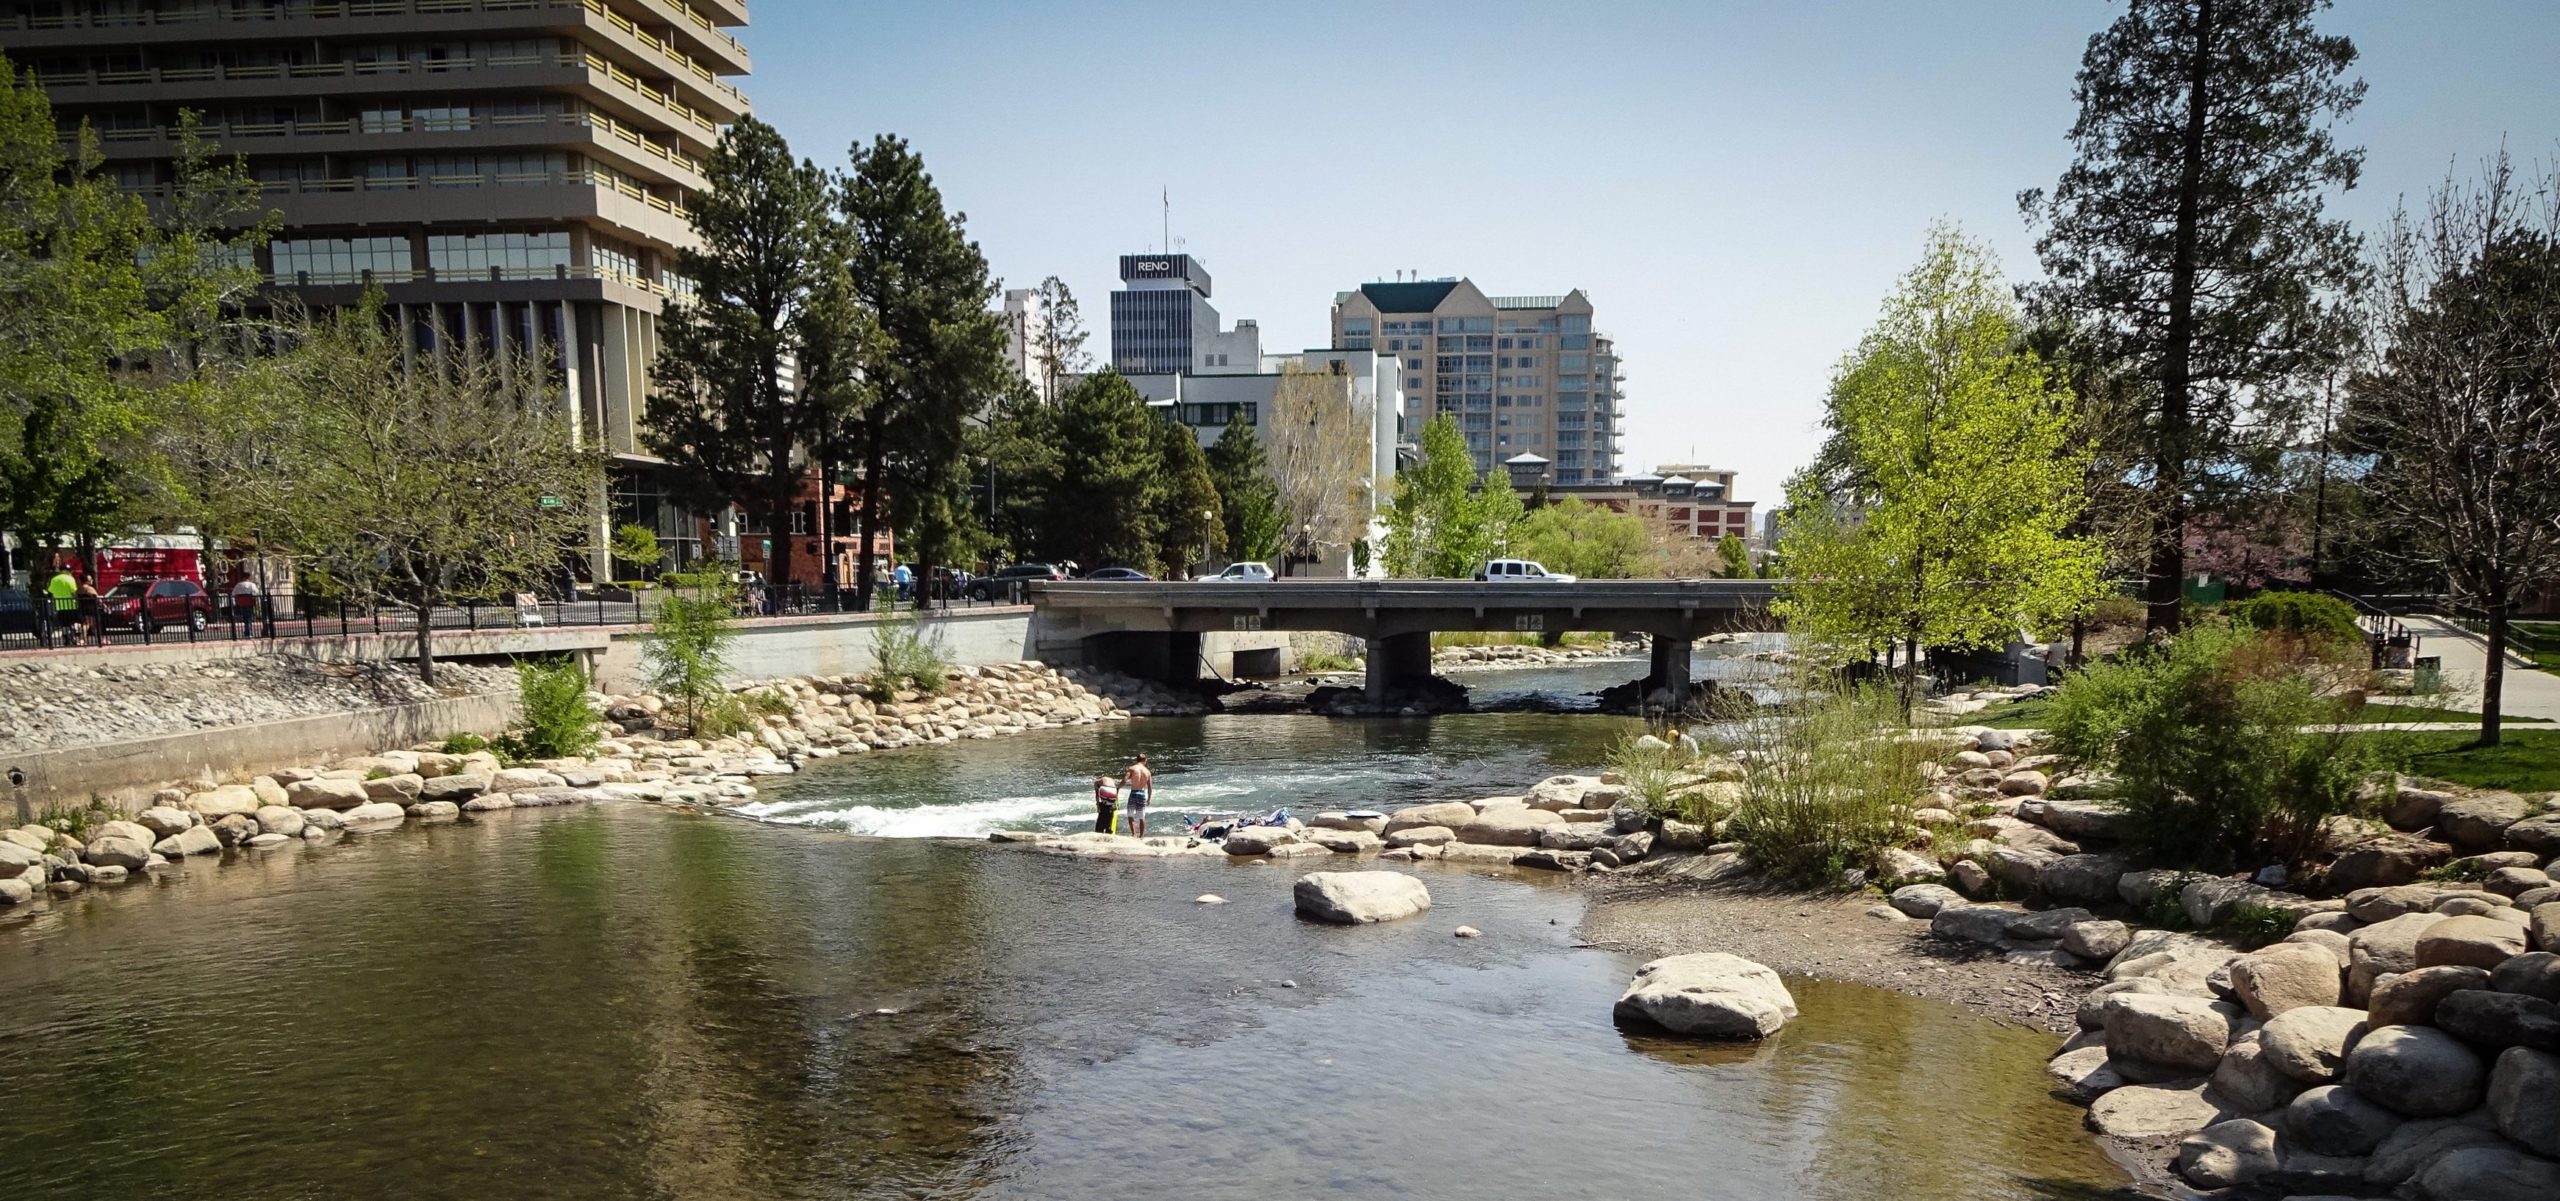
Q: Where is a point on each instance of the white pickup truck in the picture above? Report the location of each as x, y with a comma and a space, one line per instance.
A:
1515, 571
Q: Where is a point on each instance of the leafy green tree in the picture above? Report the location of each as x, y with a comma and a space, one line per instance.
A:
937, 360
1427, 521
1493, 515
1248, 502
1734, 556
1960, 440
414, 485
724, 413
1185, 498
1100, 508
2186, 241
687, 650
1579, 538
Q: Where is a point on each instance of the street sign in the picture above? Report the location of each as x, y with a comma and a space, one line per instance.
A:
551, 502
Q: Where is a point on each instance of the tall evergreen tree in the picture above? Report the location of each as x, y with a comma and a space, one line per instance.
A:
1248, 502
1186, 498
1058, 351
1102, 510
724, 414
938, 358
2187, 237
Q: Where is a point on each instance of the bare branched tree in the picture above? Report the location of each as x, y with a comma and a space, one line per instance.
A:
1318, 430
2461, 411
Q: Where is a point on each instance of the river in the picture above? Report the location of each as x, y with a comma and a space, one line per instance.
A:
628, 1002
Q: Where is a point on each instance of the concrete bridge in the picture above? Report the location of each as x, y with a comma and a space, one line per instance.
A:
1157, 629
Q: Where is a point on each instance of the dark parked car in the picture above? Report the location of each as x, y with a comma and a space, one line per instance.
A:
1007, 581
154, 605
17, 611
1118, 573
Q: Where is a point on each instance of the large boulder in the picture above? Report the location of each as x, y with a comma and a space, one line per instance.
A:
1344, 842
1357, 898
2410, 998
2153, 1110
2227, 1154
1984, 924
223, 801
1339, 820
2100, 939
2417, 1071
2248, 1081
282, 819
1451, 814
1559, 792
341, 795
117, 850
1421, 836
164, 821
2535, 975
2311, 1044
2288, 975
2385, 862
2382, 948
2381, 904
2540, 835
375, 815
1924, 900
2416, 1144
2209, 901
456, 787
2090, 879
1576, 836
2495, 1021
2090, 820
2478, 822
2414, 809
194, 840
2545, 926
2082, 1075
2524, 1097
1259, 840
1712, 995
2481, 942
1508, 826
2489, 1174
2333, 1119
2186, 1034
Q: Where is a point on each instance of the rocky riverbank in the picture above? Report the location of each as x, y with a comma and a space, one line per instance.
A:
47, 703
638, 758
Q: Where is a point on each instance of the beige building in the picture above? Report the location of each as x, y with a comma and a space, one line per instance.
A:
1521, 374
512, 170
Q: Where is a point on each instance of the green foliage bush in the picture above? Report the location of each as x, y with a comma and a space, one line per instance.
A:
2215, 744
2116, 613
686, 654
1831, 781
2254, 926
905, 653
1650, 772
2308, 615
559, 719
637, 545
465, 744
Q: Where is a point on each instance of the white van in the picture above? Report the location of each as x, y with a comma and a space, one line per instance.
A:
1255, 572
1517, 571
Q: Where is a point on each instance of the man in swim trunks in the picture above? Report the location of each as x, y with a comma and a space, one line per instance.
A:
1106, 800
1142, 785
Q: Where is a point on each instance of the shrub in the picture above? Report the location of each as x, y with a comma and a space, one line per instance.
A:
2116, 613
1650, 772
637, 545
2254, 926
2309, 615
768, 702
2216, 743
905, 653
559, 720
465, 744
1831, 780
688, 640
1323, 661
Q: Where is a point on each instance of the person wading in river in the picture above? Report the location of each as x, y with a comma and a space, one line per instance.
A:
1106, 801
1142, 786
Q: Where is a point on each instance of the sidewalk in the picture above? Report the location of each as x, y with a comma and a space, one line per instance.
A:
2527, 692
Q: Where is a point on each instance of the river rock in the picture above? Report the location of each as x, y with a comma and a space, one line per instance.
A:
1899, 866
2247, 1080
2083, 1075
1421, 836
2024, 783
2286, 976
261, 842
1508, 826
2081, 820
2086, 878
116, 850
2545, 926
374, 815
2383, 904
1559, 792
434, 811
2156, 1110
1970, 877
2480, 942
2209, 901
2227, 1154
2048, 925
1924, 900
2479, 821
1576, 836
1356, 898
233, 829
223, 801
316, 793
194, 840
2410, 998
2489, 1174
2535, 974
15, 860
2099, 939
1451, 814
2333, 1119
1338, 820
1632, 846
282, 819
1344, 842
2540, 835
399, 789
2414, 809
322, 821
164, 821
2524, 1098
2418, 1143
2311, 1044
2498, 1020
2417, 1071
1259, 840
2386, 862
2187, 1034
2382, 948
525, 779
1710, 995
457, 787
1984, 924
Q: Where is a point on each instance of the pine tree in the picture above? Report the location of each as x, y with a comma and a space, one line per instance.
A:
2187, 237
722, 413
1188, 517
938, 357
1058, 351
1248, 502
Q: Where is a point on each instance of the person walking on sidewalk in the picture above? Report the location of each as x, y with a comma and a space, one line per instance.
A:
244, 605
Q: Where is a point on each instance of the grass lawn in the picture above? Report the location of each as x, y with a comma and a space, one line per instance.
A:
2535, 640
2403, 714
2028, 714
2523, 760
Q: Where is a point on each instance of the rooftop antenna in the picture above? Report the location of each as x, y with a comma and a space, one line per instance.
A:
1168, 221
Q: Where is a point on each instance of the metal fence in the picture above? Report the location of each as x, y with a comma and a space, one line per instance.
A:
286, 616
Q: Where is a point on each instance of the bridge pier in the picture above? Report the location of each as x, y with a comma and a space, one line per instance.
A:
1671, 662
1396, 659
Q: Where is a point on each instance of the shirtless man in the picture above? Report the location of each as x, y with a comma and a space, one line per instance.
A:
1141, 784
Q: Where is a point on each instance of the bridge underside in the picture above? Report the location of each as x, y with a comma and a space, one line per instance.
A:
1158, 630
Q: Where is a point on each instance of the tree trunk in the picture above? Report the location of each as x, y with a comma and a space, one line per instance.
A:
2079, 641
874, 465
777, 523
2164, 579
2493, 679
426, 642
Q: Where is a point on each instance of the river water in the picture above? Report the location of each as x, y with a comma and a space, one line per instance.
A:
627, 1002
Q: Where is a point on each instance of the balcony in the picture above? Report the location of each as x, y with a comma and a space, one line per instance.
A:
595, 134
391, 18
495, 283
476, 200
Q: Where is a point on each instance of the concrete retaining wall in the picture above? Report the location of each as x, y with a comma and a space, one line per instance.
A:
832, 645
126, 772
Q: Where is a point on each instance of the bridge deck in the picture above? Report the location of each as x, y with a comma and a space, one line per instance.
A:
1389, 607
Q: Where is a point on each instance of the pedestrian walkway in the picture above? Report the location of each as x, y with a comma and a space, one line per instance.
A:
2527, 692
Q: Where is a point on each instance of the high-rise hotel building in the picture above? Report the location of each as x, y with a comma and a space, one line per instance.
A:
513, 170
1522, 374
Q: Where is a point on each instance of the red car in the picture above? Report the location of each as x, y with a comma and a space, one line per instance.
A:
155, 605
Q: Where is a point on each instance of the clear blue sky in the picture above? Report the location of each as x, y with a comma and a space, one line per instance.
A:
1734, 185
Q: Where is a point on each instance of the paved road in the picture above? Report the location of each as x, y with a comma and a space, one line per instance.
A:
2527, 692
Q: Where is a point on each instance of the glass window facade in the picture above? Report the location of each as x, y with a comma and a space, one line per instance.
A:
517, 255
340, 260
